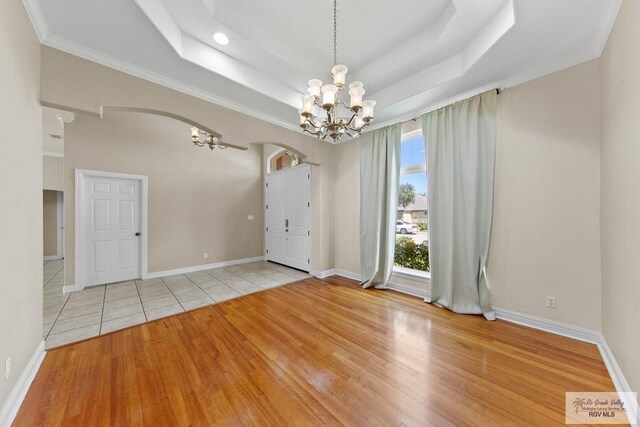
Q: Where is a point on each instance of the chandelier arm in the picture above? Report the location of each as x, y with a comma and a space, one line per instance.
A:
310, 120
351, 120
312, 133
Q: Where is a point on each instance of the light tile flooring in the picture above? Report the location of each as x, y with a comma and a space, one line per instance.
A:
106, 308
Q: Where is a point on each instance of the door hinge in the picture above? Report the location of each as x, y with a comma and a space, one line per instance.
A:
308, 176
267, 184
308, 233
267, 228
267, 206
308, 261
267, 250
308, 204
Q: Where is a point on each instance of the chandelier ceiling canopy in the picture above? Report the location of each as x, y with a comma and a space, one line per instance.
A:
334, 117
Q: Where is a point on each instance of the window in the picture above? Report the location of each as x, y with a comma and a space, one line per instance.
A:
285, 160
412, 228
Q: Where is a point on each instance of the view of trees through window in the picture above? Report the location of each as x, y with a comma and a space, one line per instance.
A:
412, 228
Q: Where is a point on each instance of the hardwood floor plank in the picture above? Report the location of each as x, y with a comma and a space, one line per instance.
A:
315, 352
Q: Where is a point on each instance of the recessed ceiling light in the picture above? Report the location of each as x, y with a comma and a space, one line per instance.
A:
221, 38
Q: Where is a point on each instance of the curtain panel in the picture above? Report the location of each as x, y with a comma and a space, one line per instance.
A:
461, 141
379, 175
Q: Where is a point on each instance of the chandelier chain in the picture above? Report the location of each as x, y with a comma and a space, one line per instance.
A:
335, 32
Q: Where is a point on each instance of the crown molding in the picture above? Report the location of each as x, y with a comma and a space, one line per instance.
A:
37, 18
142, 73
605, 25
48, 39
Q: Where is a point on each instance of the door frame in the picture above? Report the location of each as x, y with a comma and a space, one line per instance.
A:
80, 175
310, 241
60, 222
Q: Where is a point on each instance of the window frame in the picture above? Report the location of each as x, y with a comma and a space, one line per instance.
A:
404, 272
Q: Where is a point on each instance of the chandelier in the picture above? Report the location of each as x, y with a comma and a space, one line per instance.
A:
201, 138
331, 123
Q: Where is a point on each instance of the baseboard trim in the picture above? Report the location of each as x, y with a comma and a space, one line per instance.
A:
348, 274
618, 378
71, 288
323, 274
14, 401
558, 328
51, 257
195, 268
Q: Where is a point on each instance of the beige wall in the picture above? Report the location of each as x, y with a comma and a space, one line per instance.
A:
199, 200
21, 189
347, 234
73, 83
50, 222
545, 237
52, 173
620, 191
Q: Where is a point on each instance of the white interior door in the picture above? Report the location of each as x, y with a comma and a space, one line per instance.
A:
276, 218
289, 217
110, 229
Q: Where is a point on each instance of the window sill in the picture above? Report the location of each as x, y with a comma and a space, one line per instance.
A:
410, 274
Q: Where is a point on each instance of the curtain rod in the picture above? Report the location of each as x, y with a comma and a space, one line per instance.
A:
498, 92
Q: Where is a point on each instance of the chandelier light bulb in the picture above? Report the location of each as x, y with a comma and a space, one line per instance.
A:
314, 87
329, 96
356, 91
303, 119
194, 133
367, 109
339, 74
307, 104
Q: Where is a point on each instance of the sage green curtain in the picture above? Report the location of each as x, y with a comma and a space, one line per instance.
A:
379, 175
461, 141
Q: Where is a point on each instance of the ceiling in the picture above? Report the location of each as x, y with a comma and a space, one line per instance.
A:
412, 55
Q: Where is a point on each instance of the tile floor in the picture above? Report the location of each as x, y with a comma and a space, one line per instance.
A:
106, 308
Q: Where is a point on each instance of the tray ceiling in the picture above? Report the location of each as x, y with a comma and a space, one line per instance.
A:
412, 55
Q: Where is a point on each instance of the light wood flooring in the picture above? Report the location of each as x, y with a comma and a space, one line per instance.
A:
315, 352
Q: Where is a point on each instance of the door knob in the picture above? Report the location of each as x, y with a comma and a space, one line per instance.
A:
137, 234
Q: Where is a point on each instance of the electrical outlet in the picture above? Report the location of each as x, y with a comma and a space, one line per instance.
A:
551, 302
206, 255
7, 368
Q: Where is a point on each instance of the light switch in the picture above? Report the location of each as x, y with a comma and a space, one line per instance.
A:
250, 217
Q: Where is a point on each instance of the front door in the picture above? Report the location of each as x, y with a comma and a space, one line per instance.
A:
111, 229
289, 217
